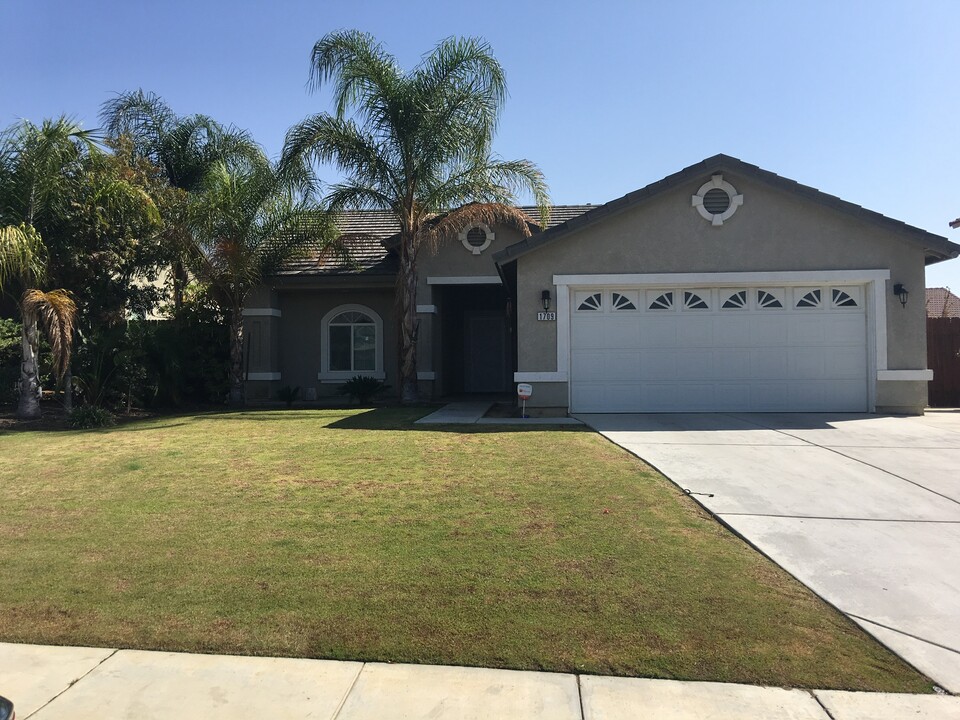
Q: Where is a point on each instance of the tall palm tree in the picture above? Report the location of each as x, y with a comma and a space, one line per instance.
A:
37, 163
418, 144
184, 147
247, 220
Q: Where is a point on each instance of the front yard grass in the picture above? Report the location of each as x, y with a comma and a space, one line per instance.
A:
356, 535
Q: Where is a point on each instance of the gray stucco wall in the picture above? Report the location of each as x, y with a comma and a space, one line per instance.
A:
293, 343
772, 231
450, 259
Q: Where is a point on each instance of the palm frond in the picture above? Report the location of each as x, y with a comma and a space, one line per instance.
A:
22, 254
39, 160
56, 312
455, 221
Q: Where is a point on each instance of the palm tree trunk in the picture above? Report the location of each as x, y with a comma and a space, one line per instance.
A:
68, 390
28, 406
407, 316
236, 357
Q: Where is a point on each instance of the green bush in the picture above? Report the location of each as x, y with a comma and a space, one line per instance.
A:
9, 360
90, 416
363, 388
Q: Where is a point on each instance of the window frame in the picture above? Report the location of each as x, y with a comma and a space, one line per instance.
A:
328, 375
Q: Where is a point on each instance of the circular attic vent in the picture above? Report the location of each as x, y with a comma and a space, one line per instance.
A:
477, 238
717, 200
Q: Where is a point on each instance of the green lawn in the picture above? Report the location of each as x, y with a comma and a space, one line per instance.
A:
354, 534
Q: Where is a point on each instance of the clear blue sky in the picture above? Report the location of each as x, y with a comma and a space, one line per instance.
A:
859, 99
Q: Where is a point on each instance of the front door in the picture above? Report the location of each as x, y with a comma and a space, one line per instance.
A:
485, 351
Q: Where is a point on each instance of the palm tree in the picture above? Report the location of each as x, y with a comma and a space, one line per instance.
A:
418, 144
183, 147
246, 221
37, 163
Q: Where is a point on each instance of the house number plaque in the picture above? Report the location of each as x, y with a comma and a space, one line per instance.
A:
546, 316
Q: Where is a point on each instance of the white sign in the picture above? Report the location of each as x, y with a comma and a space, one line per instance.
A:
524, 391
546, 315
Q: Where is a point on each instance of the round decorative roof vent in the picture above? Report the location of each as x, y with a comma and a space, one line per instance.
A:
717, 200
477, 238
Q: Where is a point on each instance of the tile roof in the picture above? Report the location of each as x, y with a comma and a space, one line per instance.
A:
362, 250
942, 303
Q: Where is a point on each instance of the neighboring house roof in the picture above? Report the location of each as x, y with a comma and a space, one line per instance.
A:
942, 303
937, 248
361, 249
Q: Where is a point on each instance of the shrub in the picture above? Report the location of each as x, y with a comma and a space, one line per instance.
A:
89, 416
363, 388
288, 394
9, 360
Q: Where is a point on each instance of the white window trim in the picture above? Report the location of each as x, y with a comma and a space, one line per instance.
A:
876, 304
328, 375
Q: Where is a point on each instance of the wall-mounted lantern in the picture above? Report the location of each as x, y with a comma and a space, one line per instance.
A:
545, 299
902, 293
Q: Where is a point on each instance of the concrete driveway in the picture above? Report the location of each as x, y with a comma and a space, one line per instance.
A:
863, 509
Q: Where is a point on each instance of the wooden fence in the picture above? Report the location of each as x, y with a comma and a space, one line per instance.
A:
943, 357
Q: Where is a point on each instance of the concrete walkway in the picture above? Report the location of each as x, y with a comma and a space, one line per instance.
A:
863, 509
471, 412
68, 683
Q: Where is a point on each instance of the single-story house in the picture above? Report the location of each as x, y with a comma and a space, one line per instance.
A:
723, 287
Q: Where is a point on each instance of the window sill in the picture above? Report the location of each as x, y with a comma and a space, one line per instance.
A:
341, 377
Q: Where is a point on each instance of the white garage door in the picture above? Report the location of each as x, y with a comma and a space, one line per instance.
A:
690, 349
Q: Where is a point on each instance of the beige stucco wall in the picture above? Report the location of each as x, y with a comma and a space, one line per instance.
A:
772, 231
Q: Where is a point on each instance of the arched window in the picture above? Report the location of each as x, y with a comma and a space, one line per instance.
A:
352, 343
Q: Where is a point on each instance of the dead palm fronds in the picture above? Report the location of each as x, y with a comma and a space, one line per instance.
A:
55, 310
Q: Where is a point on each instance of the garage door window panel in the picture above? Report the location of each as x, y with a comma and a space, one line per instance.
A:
696, 299
589, 301
846, 297
736, 300
770, 299
625, 300
808, 299
660, 300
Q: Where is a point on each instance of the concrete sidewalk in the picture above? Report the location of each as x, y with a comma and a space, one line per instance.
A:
70, 683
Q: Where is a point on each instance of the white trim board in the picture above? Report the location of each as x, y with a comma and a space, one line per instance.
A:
888, 375
530, 377
465, 280
261, 312
256, 376
427, 309
792, 277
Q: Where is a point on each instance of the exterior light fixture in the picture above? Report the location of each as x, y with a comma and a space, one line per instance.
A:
902, 293
545, 299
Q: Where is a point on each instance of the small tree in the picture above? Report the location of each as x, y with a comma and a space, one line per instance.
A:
37, 163
246, 221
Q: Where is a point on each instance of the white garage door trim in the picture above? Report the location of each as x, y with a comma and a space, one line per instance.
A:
873, 280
